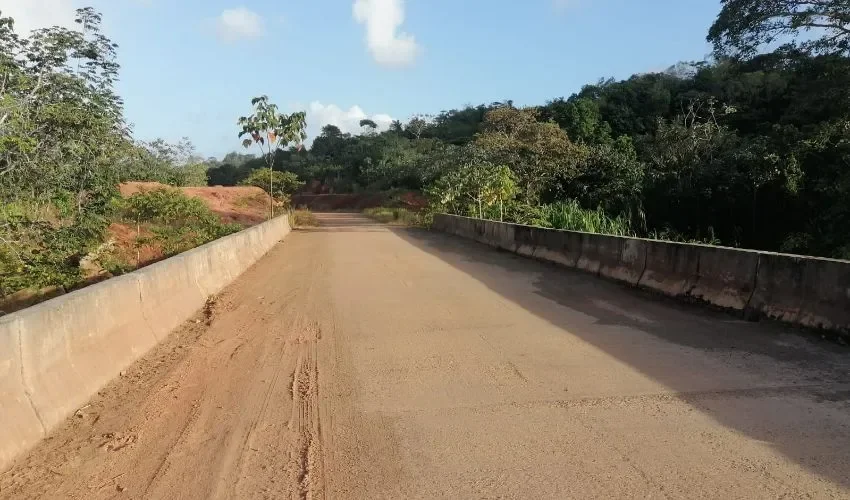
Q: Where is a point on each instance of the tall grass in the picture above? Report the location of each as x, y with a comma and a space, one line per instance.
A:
570, 216
398, 216
303, 218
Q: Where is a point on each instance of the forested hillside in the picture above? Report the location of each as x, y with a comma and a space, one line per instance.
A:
747, 149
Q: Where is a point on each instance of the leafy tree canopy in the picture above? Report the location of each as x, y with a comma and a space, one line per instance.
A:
746, 26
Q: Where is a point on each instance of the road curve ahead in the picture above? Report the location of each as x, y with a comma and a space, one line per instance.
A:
361, 361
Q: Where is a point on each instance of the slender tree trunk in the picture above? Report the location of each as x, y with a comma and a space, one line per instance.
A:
138, 235
271, 184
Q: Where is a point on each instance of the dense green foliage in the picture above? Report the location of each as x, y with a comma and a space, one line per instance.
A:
745, 26
176, 221
571, 216
64, 149
63, 145
397, 216
271, 131
171, 164
283, 183
751, 150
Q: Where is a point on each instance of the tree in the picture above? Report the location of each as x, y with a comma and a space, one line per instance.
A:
271, 131
285, 183
331, 131
580, 118
63, 142
369, 125
476, 183
745, 26
609, 176
417, 125
195, 174
535, 151
501, 188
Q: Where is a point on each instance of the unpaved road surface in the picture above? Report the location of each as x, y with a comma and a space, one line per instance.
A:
358, 361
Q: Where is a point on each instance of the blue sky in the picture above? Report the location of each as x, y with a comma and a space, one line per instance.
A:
190, 67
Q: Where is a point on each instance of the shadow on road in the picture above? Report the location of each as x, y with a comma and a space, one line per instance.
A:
796, 398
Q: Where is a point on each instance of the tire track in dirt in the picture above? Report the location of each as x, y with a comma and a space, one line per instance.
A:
305, 423
359, 362
210, 410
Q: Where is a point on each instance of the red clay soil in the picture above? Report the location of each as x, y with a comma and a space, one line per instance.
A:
246, 205
124, 237
413, 200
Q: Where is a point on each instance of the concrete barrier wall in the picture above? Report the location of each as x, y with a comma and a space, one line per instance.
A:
56, 355
807, 291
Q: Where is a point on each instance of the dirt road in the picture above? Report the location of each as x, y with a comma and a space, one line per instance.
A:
359, 361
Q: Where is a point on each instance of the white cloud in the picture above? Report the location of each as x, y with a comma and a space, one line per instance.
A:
348, 121
239, 23
34, 14
383, 18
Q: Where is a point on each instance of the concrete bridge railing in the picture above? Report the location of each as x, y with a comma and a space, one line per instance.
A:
806, 291
56, 355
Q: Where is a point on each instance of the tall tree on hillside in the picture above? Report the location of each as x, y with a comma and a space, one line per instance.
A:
271, 131
580, 118
61, 123
417, 125
535, 151
369, 125
745, 26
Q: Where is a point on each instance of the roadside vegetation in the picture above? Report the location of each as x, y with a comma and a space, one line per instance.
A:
397, 216
303, 218
65, 148
749, 148
171, 220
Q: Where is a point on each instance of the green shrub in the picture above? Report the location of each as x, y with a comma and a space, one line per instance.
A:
303, 218
176, 221
399, 216
41, 245
284, 183
567, 215
570, 216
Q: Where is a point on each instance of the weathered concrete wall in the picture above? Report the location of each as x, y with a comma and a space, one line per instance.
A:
55, 355
807, 291
726, 276
671, 268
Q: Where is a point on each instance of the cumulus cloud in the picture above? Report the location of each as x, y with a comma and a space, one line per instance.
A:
34, 14
239, 23
348, 120
383, 19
